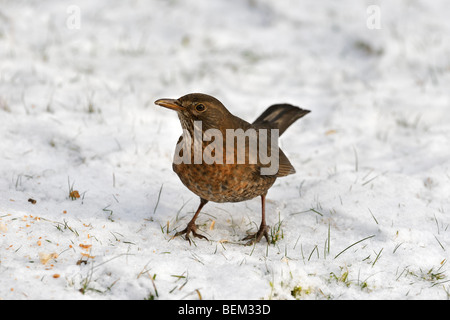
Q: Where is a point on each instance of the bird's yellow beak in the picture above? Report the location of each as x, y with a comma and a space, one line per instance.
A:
169, 103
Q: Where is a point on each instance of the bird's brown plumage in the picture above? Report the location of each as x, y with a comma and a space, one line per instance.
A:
229, 182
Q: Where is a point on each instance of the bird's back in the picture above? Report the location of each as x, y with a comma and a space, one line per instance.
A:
281, 117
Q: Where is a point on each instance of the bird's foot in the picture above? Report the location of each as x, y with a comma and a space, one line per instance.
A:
256, 237
191, 228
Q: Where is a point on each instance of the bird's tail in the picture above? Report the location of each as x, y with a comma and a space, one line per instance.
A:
280, 116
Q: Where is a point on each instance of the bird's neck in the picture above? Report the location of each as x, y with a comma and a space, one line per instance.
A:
193, 125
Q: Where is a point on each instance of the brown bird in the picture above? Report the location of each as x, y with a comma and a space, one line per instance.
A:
212, 169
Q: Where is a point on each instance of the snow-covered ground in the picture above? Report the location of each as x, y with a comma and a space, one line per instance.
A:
366, 216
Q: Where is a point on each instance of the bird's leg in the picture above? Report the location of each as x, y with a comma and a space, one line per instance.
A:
191, 227
263, 228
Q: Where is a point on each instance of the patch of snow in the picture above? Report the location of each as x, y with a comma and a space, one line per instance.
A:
366, 216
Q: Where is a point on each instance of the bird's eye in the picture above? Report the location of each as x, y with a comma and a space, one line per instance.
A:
200, 108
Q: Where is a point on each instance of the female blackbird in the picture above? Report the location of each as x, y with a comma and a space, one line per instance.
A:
214, 160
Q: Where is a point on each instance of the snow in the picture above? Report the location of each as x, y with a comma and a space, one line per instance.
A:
372, 158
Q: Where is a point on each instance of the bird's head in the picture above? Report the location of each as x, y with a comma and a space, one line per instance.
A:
197, 107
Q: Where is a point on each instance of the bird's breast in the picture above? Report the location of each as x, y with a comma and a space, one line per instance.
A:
223, 182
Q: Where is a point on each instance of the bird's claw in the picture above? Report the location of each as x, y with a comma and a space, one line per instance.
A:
256, 237
191, 228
